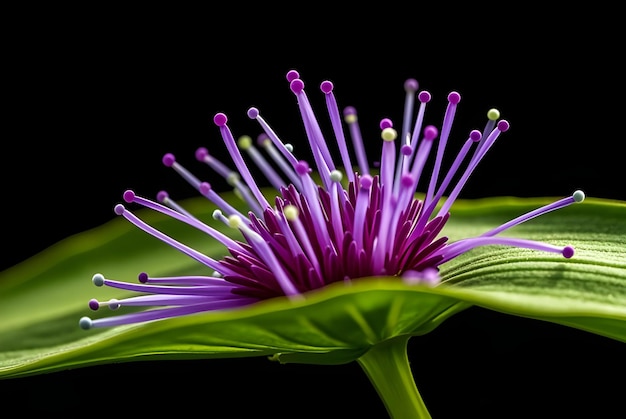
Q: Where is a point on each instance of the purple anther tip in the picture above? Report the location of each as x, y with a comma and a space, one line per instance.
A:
454, 98
168, 159
302, 167
406, 180
568, 251
296, 85
385, 123
94, 304
326, 86
205, 187
143, 277
349, 110
411, 85
430, 132
253, 113
406, 150
424, 96
503, 125
129, 196
292, 75
220, 119
366, 181
475, 135
162, 196
201, 153
119, 209
262, 138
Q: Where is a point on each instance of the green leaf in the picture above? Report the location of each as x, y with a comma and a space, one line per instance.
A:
42, 298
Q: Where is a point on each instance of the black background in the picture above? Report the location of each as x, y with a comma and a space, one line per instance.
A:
96, 97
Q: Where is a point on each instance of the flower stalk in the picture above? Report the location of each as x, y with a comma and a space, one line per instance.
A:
386, 365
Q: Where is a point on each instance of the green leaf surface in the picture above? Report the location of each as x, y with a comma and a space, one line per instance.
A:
42, 298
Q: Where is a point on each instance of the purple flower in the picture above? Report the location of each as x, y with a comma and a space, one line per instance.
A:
342, 227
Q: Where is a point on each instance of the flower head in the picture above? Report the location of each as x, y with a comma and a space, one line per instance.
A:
324, 225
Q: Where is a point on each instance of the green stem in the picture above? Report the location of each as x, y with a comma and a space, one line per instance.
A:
387, 366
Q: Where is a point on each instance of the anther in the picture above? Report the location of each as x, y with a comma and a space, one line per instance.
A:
168, 159
119, 209
253, 113
454, 98
503, 125
579, 196
430, 132
85, 323
220, 119
385, 123
326, 87
336, 176
389, 134
201, 153
424, 96
129, 196
296, 85
411, 85
568, 252
493, 114
475, 135
292, 75
244, 142
98, 280
94, 304
291, 212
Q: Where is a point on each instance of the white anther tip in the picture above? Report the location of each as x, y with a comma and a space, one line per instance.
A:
579, 196
85, 323
98, 280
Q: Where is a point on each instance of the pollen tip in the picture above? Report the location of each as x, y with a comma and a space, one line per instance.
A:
475, 135
168, 159
129, 196
385, 123
296, 85
406, 150
263, 140
217, 214
94, 304
336, 175
119, 209
430, 132
493, 114
503, 125
244, 142
85, 323
142, 277
253, 113
568, 251
292, 75
162, 196
234, 221
579, 196
424, 96
366, 181
201, 153
302, 168
411, 85
326, 86
113, 304
406, 180
291, 212
205, 187
388, 134
220, 119
454, 98
98, 280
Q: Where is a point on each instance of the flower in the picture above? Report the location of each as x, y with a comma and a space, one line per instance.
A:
342, 227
